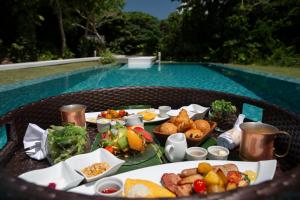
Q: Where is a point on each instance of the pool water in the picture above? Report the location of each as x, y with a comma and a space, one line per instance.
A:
175, 75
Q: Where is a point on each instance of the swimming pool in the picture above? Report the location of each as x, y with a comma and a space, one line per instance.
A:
175, 75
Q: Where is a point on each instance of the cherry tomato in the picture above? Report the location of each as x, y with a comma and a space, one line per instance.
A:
110, 149
199, 186
234, 177
122, 113
103, 114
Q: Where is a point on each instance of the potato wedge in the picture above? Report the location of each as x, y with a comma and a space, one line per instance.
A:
204, 168
215, 188
190, 179
222, 176
212, 178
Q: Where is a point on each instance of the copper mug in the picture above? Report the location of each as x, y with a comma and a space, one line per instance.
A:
257, 141
73, 114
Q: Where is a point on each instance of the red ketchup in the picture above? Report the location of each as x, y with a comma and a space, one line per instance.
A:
109, 190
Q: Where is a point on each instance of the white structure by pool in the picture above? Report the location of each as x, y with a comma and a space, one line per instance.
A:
140, 62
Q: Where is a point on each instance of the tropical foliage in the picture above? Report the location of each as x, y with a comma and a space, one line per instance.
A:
242, 31
245, 31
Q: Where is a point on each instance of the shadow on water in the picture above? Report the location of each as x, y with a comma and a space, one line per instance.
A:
283, 93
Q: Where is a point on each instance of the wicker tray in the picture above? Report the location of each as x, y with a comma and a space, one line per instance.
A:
13, 160
191, 141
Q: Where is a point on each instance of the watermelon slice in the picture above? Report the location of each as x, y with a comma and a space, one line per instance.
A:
145, 134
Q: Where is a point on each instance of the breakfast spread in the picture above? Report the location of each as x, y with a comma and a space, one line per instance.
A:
95, 169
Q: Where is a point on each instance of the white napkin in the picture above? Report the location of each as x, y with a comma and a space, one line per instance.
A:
194, 111
232, 138
33, 135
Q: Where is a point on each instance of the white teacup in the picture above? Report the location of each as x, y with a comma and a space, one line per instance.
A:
134, 120
163, 111
175, 147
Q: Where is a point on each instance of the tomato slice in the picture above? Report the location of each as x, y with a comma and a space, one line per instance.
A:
234, 177
122, 113
103, 114
110, 149
199, 186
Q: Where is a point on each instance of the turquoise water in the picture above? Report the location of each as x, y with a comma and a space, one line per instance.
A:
175, 75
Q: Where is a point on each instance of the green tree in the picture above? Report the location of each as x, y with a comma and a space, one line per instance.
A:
132, 33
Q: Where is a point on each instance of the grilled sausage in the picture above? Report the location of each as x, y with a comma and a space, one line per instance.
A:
188, 172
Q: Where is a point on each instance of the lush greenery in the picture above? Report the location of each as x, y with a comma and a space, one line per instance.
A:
243, 31
246, 31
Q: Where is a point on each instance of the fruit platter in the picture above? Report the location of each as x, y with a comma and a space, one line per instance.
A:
132, 144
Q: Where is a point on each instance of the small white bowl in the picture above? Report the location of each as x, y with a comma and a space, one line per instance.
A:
60, 174
217, 153
79, 162
106, 183
196, 153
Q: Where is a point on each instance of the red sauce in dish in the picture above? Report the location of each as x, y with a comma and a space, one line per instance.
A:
109, 190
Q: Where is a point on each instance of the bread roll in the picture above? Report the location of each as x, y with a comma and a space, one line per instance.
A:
168, 128
202, 125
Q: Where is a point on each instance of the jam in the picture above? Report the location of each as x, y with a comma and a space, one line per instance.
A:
109, 190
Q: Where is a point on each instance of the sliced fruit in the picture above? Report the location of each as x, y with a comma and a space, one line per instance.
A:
122, 142
135, 141
145, 134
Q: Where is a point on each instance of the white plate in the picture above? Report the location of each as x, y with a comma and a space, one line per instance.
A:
194, 111
81, 161
92, 116
265, 171
61, 174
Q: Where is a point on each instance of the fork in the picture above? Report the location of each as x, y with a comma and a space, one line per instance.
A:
36, 147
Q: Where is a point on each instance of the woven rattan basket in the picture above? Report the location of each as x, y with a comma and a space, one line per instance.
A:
13, 160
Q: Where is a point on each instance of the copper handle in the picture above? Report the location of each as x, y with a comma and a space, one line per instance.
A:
289, 144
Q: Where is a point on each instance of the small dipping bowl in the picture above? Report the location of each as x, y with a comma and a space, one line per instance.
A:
163, 111
109, 187
217, 153
196, 153
103, 125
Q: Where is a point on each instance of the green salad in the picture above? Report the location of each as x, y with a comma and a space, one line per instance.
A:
66, 141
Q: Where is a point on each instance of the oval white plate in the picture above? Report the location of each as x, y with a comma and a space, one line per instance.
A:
265, 171
92, 116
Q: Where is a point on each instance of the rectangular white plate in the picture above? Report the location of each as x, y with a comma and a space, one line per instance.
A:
61, 174
92, 116
265, 171
79, 162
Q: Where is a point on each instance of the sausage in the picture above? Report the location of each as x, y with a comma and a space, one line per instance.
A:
188, 172
226, 168
190, 179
